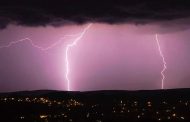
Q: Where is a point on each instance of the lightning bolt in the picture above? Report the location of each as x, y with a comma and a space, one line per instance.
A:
79, 36
34, 45
163, 60
68, 47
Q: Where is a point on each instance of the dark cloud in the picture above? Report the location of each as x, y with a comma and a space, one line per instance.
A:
60, 12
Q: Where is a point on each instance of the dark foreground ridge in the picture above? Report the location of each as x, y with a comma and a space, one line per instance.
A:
96, 106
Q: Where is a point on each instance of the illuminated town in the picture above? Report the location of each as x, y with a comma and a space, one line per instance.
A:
94, 107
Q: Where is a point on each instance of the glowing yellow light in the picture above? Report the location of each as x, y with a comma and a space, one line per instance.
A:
174, 115
43, 116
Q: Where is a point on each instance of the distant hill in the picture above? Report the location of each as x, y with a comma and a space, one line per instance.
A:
139, 94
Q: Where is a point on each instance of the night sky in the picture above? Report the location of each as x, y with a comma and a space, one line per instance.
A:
118, 52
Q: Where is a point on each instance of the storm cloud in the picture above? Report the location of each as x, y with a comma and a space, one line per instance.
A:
61, 12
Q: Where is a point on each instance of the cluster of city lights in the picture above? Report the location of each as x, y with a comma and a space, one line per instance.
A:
135, 109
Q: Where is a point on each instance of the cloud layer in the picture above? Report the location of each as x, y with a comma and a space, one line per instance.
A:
60, 12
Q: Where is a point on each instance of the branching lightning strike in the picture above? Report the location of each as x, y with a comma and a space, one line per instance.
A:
34, 45
68, 47
163, 60
80, 35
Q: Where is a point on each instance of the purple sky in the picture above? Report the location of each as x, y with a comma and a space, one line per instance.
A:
108, 57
